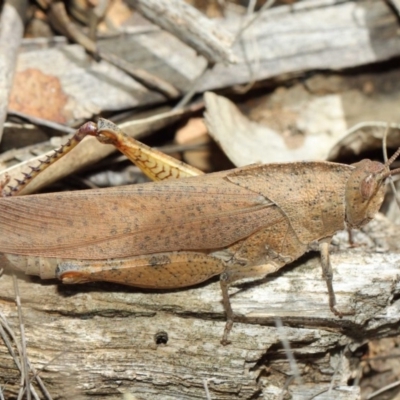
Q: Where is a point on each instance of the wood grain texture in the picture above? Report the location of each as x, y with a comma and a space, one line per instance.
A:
11, 32
343, 35
191, 26
104, 335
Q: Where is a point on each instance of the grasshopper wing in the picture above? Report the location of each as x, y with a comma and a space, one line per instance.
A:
199, 213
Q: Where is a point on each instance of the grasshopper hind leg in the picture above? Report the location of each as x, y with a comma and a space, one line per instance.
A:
17, 188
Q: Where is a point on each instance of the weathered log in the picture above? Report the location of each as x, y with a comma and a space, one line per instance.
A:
110, 339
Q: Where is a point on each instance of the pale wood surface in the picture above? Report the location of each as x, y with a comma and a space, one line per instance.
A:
104, 335
11, 32
312, 35
205, 35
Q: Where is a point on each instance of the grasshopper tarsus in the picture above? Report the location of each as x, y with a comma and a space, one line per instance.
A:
339, 313
350, 236
227, 329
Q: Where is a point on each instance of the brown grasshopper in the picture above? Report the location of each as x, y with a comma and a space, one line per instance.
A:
245, 222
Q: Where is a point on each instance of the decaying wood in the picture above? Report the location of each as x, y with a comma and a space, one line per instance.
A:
58, 13
358, 327
206, 36
104, 336
285, 44
11, 31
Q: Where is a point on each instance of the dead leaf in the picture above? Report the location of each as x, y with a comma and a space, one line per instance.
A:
38, 94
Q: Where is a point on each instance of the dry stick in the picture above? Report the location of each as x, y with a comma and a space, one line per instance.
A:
359, 373
42, 122
338, 365
11, 31
252, 77
8, 344
194, 29
384, 389
37, 373
288, 382
245, 88
39, 380
288, 350
96, 14
385, 159
205, 384
332, 386
5, 332
149, 80
24, 362
317, 394
20, 365
265, 6
192, 90
371, 124
191, 26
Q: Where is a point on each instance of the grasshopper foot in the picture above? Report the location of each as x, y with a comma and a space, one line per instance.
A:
228, 327
340, 313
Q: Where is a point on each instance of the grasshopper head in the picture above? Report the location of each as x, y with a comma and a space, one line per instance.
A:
365, 190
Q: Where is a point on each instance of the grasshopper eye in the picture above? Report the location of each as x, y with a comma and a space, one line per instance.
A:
368, 186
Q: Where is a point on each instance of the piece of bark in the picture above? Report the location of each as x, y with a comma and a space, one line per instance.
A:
105, 336
58, 14
326, 116
11, 32
286, 44
310, 35
205, 36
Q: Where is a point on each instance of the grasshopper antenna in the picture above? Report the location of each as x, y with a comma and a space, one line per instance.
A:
392, 172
